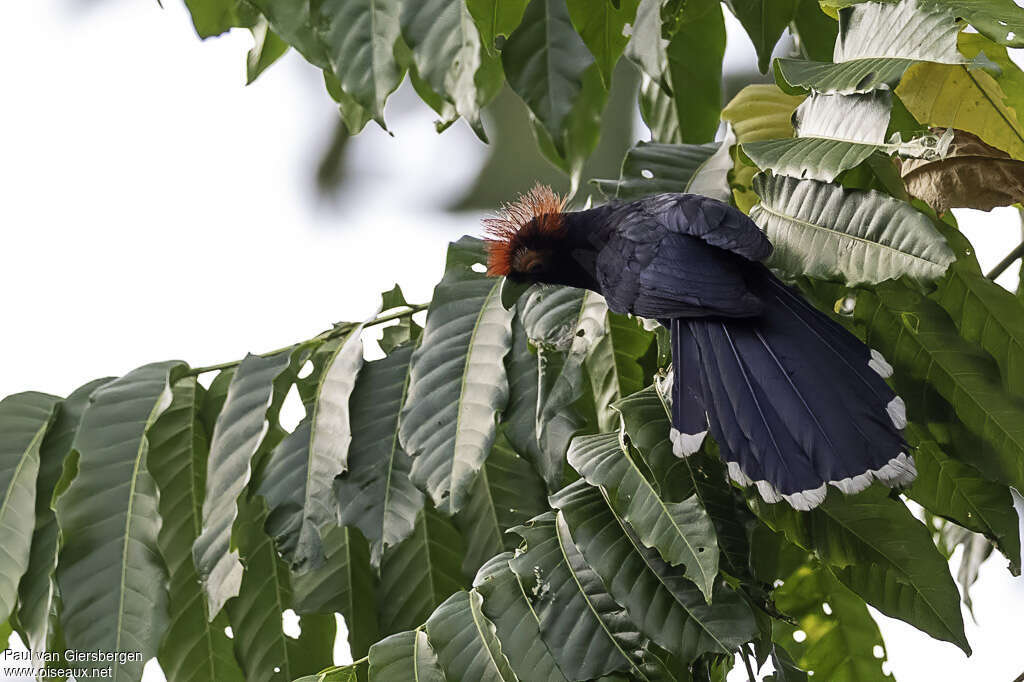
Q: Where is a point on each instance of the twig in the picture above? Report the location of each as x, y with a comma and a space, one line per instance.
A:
339, 330
1007, 262
1020, 678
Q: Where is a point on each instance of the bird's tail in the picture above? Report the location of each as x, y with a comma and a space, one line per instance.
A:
794, 401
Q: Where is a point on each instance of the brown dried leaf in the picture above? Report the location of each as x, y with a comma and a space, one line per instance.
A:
972, 175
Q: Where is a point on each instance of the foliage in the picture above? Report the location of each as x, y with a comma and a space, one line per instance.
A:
496, 497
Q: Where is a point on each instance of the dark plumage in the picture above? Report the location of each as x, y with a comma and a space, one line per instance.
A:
794, 401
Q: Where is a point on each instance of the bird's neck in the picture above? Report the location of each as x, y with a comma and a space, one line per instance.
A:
586, 233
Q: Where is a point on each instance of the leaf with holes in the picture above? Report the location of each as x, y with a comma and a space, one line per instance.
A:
682, 532
508, 606
458, 383
587, 632
829, 232
652, 168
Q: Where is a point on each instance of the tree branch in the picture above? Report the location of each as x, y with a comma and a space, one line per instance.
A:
744, 654
1007, 262
334, 332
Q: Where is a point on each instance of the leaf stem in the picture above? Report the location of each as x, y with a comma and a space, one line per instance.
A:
334, 332
744, 653
1007, 262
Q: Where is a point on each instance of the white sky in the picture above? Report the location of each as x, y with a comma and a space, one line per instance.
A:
152, 208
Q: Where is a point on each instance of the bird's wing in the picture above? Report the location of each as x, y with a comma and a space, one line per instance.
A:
658, 263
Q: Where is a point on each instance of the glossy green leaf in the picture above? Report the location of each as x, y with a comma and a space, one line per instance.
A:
816, 31
875, 547
37, 596
510, 608
840, 635
458, 382
240, 427
447, 54
214, 17
1000, 20
667, 608
465, 641
419, 573
405, 657
920, 340
297, 24
647, 47
545, 61
267, 49
24, 420
194, 648
110, 574
346, 584
652, 168
587, 632
829, 232
506, 493
496, 19
297, 479
601, 25
614, 367
764, 21
375, 494
682, 532
695, 57
954, 490
658, 110
359, 38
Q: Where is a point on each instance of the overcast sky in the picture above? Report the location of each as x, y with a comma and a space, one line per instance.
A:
153, 208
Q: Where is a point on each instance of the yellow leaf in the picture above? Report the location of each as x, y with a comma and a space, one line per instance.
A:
953, 96
761, 112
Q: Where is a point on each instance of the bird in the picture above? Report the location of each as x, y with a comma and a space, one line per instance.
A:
795, 402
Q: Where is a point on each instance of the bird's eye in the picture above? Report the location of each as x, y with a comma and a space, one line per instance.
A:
535, 266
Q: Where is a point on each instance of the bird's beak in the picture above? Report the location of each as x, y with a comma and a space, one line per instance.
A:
511, 291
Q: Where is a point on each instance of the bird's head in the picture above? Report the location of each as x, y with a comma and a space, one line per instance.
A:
525, 238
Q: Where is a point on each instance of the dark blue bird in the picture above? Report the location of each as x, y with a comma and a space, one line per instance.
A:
795, 402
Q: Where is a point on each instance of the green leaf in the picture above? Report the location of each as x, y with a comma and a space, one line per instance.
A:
786, 669
405, 657
447, 54
658, 110
520, 417
1011, 78
261, 646
844, 78
214, 17
695, 70
563, 318
346, 584
458, 383
194, 648
646, 422
682, 532
840, 634
956, 96
587, 632
267, 49
1000, 20
875, 547
647, 47
829, 232
816, 30
652, 168
613, 364
240, 427
298, 477
545, 61
954, 490
920, 340
496, 19
375, 494
110, 575
601, 25
988, 315
465, 641
419, 573
37, 597
297, 24
24, 420
761, 112
764, 21
666, 607
508, 606
506, 493
359, 38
